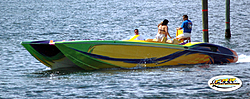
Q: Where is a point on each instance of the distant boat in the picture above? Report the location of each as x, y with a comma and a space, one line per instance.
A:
101, 54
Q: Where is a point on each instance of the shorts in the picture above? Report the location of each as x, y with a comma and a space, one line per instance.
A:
160, 36
184, 35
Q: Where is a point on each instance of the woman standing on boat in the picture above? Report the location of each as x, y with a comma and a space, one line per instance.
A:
163, 31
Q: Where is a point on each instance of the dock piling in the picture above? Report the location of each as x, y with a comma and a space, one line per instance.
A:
227, 31
205, 20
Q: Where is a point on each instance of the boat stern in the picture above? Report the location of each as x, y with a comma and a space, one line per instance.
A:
47, 53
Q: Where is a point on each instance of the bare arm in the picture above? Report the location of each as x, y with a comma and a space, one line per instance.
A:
160, 24
166, 31
159, 30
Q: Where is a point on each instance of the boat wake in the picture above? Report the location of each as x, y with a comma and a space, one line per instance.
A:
243, 58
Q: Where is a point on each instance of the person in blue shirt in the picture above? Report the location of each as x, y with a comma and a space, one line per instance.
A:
187, 28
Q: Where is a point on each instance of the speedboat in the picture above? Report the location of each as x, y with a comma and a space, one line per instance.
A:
101, 54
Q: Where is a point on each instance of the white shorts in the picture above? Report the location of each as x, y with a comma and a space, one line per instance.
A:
160, 36
184, 35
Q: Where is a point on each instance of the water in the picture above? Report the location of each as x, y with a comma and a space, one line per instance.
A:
22, 76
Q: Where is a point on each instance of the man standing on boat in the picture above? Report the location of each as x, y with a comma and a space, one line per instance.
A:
187, 28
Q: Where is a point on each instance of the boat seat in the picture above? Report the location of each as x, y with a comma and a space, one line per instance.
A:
169, 41
164, 40
151, 40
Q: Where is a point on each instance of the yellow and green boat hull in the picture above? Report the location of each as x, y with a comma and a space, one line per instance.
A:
92, 55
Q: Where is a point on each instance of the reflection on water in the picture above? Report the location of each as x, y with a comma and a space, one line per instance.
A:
243, 58
58, 72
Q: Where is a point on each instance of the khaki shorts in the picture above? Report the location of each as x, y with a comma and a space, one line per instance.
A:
184, 35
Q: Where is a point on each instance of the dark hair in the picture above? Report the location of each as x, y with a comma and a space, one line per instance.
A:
185, 16
165, 22
137, 30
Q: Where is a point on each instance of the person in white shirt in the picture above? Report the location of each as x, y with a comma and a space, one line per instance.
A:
139, 37
136, 36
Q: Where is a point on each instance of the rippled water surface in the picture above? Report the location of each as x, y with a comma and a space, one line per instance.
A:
22, 76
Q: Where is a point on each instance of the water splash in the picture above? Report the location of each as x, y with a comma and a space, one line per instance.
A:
243, 58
